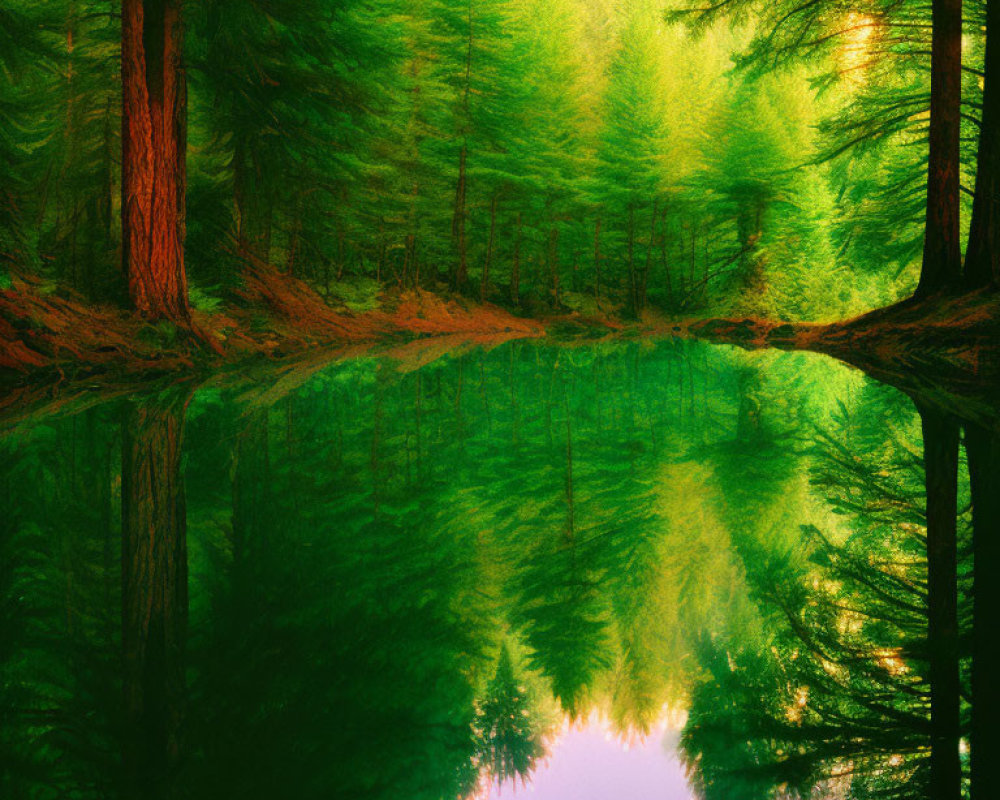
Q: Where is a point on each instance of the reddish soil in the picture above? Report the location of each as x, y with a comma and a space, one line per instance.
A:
275, 315
941, 346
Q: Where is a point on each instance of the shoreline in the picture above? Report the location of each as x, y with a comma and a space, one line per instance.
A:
51, 343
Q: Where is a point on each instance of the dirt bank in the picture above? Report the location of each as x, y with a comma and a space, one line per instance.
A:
271, 316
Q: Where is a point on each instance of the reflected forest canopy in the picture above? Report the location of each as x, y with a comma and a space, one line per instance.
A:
389, 582
394, 393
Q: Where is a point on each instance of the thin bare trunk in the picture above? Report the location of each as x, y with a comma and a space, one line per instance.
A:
597, 263
554, 263
665, 260
649, 255
484, 287
515, 277
632, 297
253, 211
460, 275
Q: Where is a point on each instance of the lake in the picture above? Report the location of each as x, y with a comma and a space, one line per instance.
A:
621, 570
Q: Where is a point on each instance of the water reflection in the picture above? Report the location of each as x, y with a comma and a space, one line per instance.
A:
402, 579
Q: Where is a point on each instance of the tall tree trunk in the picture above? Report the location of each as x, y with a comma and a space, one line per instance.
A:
554, 263
409, 264
691, 258
649, 256
70, 140
484, 287
941, 465
982, 256
515, 276
154, 591
340, 250
253, 209
597, 263
154, 109
110, 187
380, 263
460, 275
983, 450
666, 261
941, 268
409, 252
293, 246
631, 262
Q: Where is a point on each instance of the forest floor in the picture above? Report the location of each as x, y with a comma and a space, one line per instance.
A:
943, 350
272, 316
51, 337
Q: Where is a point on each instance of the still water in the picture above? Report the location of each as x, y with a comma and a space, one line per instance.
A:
624, 570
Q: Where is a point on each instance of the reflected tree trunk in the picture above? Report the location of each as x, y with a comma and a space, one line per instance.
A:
154, 591
570, 531
941, 463
983, 450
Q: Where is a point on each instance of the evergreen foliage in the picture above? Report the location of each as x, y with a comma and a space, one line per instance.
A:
547, 155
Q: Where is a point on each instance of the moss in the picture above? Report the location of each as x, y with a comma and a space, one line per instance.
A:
162, 335
358, 294
260, 322
204, 300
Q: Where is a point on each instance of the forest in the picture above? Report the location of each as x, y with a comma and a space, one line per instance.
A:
391, 390
252, 177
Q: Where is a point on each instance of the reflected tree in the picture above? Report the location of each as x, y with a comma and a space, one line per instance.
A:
508, 735
857, 686
154, 591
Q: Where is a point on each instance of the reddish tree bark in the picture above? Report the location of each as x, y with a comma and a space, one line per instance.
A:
154, 100
942, 262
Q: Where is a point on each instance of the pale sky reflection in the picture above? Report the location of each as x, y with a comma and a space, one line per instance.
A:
587, 762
